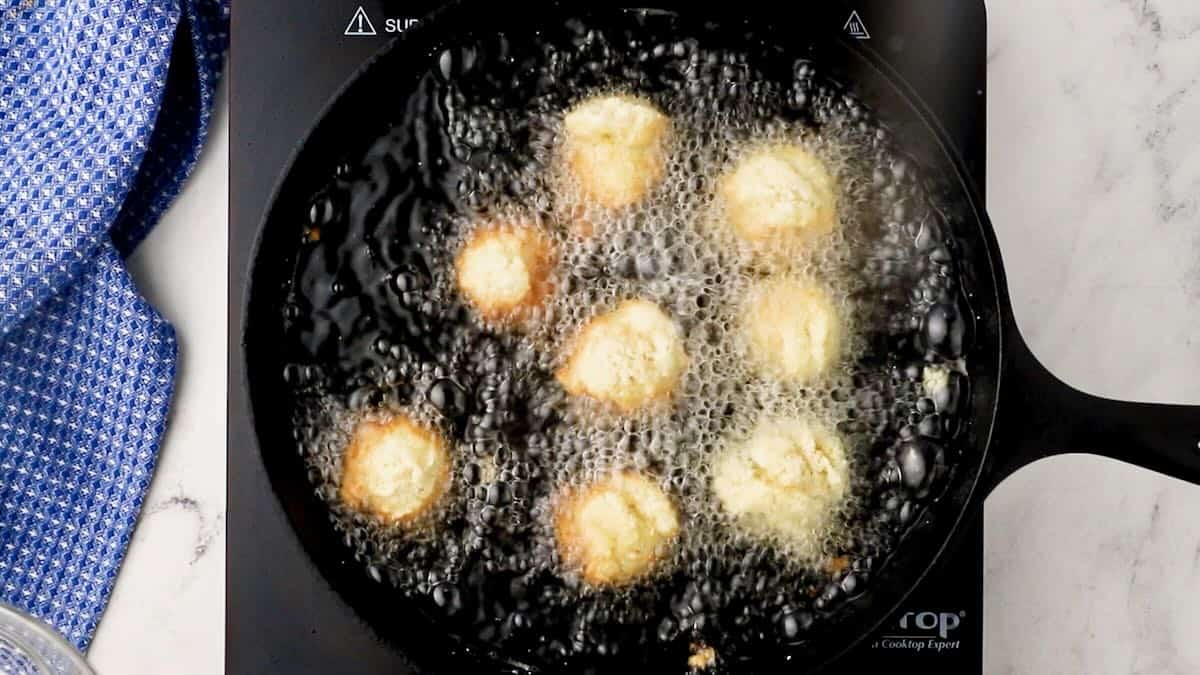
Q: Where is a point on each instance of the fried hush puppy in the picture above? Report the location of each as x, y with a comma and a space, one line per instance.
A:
615, 530
793, 331
615, 148
505, 271
785, 481
395, 470
779, 195
629, 357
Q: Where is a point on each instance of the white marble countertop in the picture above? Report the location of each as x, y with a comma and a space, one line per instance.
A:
1094, 187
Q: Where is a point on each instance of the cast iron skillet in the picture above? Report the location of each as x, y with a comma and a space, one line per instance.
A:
1020, 412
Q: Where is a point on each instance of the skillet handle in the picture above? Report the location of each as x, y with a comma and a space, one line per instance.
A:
1038, 415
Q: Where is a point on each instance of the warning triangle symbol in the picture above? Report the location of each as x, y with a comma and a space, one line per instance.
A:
856, 28
360, 24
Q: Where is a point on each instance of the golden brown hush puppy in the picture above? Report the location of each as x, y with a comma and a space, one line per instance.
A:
780, 194
615, 148
395, 470
615, 530
505, 271
792, 329
786, 481
629, 357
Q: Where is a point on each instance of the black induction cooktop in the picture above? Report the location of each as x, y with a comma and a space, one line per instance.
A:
287, 60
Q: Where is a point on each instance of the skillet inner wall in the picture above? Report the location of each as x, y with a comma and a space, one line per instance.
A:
271, 405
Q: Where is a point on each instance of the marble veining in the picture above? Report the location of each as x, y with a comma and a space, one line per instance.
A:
206, 528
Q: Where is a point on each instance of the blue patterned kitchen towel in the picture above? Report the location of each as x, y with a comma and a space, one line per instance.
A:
103, 108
